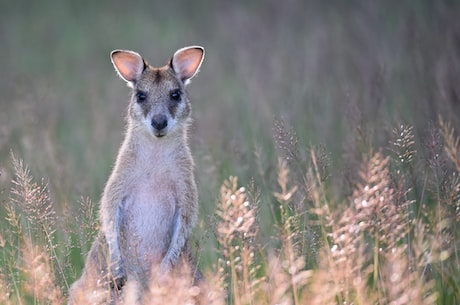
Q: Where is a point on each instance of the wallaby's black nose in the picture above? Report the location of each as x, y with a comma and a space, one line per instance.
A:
159, 121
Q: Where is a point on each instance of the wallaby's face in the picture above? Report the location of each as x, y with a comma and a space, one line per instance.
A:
159, 102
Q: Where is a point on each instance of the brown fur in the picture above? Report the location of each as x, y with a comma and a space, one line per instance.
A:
149, 205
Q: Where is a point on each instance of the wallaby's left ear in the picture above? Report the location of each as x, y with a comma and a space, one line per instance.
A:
186, 62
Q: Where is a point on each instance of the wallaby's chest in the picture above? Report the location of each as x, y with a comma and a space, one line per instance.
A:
148, 208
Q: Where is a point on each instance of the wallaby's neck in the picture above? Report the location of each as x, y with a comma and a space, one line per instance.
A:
142, 142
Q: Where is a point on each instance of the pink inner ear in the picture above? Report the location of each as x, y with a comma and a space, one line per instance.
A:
187, 62
129, 65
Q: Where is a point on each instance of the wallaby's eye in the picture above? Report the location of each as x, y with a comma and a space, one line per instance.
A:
141, 96
175, 95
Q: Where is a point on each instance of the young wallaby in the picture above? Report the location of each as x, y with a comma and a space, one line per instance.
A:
149, 205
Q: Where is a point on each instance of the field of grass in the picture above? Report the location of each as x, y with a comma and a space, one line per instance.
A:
325, 136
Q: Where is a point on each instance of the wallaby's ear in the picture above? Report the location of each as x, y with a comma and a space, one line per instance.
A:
187, 61
128, 64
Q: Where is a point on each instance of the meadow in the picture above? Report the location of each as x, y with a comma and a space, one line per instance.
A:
325, 137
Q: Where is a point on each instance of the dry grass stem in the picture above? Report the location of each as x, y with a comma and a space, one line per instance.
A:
40, 282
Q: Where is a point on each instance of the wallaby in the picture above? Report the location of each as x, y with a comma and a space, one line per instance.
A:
149, 205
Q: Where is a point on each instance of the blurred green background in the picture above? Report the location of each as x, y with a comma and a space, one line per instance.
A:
333, 71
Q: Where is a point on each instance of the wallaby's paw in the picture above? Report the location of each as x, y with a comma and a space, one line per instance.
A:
164, 279
118, 278
165, 267
164, 273
118, 283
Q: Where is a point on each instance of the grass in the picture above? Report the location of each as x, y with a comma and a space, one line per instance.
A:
375, 246
339, 120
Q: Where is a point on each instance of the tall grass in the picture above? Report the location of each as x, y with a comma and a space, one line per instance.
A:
382, 244
328, 113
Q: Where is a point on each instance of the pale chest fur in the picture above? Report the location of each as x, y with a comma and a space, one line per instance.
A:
155, 186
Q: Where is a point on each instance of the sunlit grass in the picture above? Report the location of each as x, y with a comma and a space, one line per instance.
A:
315, 107
378, 245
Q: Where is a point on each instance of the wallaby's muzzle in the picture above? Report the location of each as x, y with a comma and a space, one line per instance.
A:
159, 124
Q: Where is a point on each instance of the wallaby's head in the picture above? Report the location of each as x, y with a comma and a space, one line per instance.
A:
159, 102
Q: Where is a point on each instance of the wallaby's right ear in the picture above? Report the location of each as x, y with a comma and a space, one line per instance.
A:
128, 64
